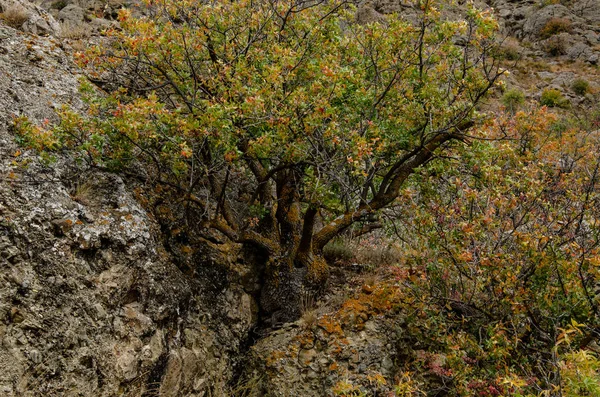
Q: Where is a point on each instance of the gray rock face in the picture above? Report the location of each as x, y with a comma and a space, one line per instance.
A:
537, 19
576, 39
90, 300
38, 21
71, 14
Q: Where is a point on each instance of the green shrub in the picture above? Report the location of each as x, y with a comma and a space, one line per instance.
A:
553, 98
580, 86
512, 99
555, 26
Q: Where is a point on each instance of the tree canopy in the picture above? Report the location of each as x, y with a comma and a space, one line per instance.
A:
283, 123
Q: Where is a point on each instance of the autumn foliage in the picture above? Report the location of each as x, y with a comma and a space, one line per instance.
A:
280, 125
507, 245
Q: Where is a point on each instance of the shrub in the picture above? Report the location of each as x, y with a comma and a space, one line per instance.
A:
15, 16
580, 86
512, 99
553, 98
555, 46
58, 5
456, 259
510, 52
555, 26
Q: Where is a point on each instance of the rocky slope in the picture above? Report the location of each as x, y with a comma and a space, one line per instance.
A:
93, 304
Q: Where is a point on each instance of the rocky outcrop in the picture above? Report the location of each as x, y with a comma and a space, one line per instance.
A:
91, 303
29, 17
571, 31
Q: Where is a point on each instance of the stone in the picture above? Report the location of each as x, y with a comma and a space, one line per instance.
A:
127, 365
35, 356
307, 356
95, 286
71, 14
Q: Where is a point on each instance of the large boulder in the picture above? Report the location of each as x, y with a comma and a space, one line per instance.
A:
91, 302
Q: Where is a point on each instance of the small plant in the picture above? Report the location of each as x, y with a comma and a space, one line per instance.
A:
544, 3
578, 368
555, 26
580, 86
58, 5
15, 16
553, 98
555, 46
245, 387
309, 319
510, 52
345, 388
512, 99
83, 193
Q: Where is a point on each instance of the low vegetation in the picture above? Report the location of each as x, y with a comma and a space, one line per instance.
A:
555, 26
553, 98
513, 99
580, 86
15, 16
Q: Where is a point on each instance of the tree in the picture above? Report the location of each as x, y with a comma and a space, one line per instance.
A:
284, 123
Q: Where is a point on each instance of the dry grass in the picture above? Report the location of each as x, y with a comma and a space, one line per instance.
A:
555, 46
377, 253
74, 31
338, 250
371, 251
245, 388
309, 315
15, 16
83, 193
555, 26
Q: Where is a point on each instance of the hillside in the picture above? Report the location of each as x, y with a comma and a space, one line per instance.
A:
481, 283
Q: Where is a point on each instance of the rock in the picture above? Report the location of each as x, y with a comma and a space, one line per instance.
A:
72, 14
306, 356
127, 366
91, 295
536, 21
35, 356
38, 21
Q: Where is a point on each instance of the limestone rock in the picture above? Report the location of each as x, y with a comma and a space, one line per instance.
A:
92, 301
38, 20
